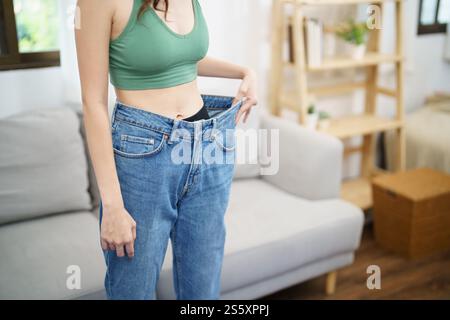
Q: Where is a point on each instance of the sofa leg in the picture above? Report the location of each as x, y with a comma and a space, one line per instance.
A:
330, 286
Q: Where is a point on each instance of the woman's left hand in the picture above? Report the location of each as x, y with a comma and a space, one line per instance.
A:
247, 90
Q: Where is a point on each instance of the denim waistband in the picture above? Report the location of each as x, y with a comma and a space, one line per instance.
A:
219, 107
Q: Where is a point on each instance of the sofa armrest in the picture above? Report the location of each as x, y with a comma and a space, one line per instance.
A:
310, 162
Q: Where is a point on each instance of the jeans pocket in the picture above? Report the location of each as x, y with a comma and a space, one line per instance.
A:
135, 144
133, 141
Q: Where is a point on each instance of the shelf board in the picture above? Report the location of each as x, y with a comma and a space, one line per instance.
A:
290, 96
356, 125
358, 191
344, 62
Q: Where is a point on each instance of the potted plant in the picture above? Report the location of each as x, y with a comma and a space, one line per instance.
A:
312, 118
324, 120
355, 37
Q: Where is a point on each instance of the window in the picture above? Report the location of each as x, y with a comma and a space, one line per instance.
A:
434, 15
28, 34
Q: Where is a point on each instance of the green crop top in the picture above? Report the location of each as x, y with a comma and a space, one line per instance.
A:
148, 54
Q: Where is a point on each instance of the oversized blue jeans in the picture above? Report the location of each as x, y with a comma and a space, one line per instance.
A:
175, 179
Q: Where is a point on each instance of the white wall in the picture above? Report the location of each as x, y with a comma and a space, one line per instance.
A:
27, 89
427, 71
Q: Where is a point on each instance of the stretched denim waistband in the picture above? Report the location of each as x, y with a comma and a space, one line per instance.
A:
219, 107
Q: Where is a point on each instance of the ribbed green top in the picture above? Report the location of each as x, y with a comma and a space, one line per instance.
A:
149, 55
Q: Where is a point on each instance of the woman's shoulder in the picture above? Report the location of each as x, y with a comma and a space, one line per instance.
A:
100, 8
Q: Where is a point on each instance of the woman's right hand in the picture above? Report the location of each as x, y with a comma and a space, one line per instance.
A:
118, 231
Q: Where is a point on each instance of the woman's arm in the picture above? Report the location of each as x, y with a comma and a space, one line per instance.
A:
92, 42
212, 67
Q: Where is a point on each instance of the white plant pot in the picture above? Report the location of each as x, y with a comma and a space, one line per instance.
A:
355, 51
324, 124
312, 120
329, 45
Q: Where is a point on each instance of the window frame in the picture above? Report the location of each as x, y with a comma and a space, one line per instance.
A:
436, 27
13, 59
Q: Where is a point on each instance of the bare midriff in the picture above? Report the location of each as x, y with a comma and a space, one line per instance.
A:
176, 102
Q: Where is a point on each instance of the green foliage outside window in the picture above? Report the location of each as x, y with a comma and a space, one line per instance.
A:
37, 25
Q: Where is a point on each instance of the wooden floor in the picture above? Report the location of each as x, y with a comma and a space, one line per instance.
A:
426, 278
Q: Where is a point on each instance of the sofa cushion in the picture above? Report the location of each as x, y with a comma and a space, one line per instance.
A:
43, 166
35, 256
270, 232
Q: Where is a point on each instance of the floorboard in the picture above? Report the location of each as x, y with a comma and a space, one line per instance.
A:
401, 278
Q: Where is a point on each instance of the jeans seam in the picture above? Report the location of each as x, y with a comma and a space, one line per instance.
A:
175, 262
192, 166
108, 291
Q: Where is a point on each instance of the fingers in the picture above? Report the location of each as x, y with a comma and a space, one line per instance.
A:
238, 116
247, 114
129, 247
237, 98
120, 251
245, 110
241, 112
242, 93
133, 230
122, 248
104, 244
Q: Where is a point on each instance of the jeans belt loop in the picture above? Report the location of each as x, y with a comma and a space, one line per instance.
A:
197, 130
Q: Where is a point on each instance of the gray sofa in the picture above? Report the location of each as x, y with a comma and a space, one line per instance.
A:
282, 229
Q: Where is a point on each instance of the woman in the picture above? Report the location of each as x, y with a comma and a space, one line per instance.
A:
150, 190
